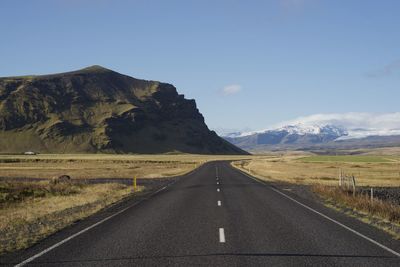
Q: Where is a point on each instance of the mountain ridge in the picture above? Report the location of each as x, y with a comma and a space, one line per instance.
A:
310, 136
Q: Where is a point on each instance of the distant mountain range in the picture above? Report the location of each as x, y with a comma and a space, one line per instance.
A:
308, 137
99, 110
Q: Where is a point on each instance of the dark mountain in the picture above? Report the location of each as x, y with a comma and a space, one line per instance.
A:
99, 110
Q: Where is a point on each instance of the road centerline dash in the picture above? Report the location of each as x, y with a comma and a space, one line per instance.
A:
221, 235
219, 203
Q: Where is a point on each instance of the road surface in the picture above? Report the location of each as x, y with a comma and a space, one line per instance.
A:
216, 216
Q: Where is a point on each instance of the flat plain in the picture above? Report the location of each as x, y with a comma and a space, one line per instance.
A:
87, 166
369, 170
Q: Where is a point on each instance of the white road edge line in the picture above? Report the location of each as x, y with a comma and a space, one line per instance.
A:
219, 203
328, 218
86, 229
221, 235
218, 190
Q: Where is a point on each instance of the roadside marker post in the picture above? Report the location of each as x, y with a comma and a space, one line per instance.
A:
134, 184
353, 181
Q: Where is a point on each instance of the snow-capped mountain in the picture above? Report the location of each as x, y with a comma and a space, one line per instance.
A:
301, 129
288, 135
313, 137
298, 129
347, 130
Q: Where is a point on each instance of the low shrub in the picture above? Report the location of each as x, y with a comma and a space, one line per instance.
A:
11, 192
382, 209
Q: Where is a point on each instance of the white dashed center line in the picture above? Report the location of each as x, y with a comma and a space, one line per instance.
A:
217, 182
219, 203
221, 235
217, 189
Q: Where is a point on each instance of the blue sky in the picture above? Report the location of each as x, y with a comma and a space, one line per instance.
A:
248, 64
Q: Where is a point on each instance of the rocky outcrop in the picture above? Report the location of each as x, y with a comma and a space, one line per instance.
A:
99, 110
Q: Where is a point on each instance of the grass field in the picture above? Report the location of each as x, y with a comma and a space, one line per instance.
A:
351, 159
32, 211
81, 166
369, 170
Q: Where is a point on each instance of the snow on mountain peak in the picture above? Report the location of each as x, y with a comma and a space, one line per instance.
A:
301, 129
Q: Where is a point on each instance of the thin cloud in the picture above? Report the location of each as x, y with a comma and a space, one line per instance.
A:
221, 131
231, 89
387, 70
352, 120
357, 124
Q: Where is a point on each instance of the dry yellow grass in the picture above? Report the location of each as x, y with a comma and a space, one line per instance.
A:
294, 169
381, 209
22, 223
103, 165
382, 214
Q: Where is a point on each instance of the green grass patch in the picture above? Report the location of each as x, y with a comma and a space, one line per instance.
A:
346, 158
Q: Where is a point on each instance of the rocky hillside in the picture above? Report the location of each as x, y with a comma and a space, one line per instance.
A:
99, 110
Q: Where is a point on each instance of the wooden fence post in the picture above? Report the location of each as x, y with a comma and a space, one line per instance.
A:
372, 194
354, 185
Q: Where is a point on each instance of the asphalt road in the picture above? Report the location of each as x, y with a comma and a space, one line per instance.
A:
216, 216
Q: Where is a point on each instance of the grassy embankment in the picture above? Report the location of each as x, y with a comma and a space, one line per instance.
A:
34, 210
321, 172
